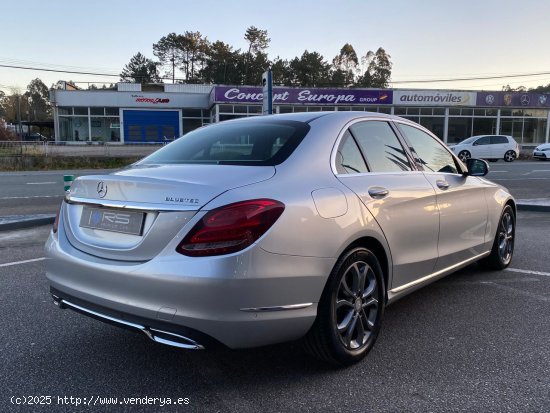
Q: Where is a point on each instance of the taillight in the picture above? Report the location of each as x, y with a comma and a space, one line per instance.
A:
231, 228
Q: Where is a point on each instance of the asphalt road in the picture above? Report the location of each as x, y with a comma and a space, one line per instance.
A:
524, 179
41, 192
475, 341
35, 192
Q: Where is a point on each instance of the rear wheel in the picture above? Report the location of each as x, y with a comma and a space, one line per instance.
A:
350, 310
503, 245
510, 156
464, 156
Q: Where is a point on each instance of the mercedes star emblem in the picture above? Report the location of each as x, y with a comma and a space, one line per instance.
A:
525, 100
102, 189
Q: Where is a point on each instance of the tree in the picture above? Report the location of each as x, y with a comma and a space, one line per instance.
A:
282, 72
378, 69
508, 88
541, 89
169, 50
38, 97
310, 69
194, 48
257, 44
140, 70
221, 64
345, 66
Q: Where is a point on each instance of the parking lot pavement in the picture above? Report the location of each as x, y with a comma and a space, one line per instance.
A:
475, 341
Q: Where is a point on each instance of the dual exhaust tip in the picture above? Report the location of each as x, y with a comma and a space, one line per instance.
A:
160, 336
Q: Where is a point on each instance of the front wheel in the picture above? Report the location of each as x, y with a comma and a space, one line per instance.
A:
350, 310
510, 156
503, 245
464, 156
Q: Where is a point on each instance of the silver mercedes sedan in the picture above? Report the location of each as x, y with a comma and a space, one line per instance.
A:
268, 229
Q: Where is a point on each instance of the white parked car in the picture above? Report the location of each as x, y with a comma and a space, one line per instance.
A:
492, 147
542, 152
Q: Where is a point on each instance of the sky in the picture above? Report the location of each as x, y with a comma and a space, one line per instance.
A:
426, 39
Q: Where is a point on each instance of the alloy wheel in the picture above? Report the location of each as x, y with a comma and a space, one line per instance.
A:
464, 156
506, 238
509, 156
356, 307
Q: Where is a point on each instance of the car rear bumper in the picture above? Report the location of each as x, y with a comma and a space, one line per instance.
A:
242, 300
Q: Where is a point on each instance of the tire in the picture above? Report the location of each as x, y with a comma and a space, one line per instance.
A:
509, 156
464, 156
503, 245
350, 311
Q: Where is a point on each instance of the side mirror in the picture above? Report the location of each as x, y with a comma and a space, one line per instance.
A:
477, 167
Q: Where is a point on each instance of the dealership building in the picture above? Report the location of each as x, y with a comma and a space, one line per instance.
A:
135, 113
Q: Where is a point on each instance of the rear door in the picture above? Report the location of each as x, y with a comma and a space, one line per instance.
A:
499, 146
373, 163
460, 199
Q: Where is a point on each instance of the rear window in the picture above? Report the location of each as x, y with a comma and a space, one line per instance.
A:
499, 139
234, 143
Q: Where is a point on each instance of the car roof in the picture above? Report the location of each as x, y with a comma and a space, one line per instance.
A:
311, 116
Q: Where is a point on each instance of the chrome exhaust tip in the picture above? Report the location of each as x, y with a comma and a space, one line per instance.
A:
159, 336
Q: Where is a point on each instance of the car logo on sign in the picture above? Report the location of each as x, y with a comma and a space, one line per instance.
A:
542, 99
102, 189
525, 99
489, 99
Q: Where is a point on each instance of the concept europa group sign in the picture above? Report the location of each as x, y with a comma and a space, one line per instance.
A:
312, 96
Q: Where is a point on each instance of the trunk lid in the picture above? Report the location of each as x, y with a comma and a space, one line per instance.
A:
133, 214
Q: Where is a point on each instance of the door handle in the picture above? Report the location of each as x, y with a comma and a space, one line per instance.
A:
442, 184
378, 192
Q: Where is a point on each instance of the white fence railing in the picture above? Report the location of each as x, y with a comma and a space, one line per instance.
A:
25, 148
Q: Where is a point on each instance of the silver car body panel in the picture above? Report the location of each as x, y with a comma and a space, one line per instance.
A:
268, 292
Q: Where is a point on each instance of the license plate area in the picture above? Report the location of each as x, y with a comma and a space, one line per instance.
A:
114, 220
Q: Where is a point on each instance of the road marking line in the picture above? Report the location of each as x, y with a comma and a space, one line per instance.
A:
33, 196
546, 274
40, 183
9, 264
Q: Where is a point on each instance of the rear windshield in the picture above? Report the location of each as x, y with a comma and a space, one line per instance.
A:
234, 143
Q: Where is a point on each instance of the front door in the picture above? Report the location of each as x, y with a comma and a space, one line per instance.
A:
460, 200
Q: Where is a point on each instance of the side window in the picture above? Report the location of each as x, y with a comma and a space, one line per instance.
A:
348, 158
431, 153
486, 140
499, 139
381, 148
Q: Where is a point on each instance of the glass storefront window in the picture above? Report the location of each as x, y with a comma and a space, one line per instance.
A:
65, 111
105, 129
73, 128
484, 126
81, 111
97, 111
459, 129
111, 111
285, 109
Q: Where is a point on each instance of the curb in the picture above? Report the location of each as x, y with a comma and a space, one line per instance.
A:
533, 207
21, 223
